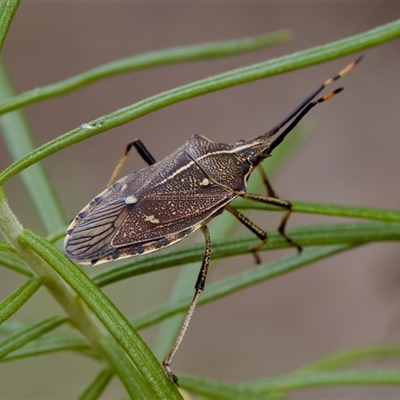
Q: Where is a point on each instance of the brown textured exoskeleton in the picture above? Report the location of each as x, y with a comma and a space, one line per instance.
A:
165, 202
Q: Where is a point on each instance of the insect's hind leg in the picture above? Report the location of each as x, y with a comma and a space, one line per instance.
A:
276, 201
199, 287
143, 152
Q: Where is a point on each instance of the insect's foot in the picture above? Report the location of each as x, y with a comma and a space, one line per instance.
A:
294, 244
170, 374
256, 255
290, 241
299, 248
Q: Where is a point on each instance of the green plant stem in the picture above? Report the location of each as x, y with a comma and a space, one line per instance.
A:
250, 73
80, 316
146, 60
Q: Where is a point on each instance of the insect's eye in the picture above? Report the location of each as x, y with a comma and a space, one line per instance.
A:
253, 160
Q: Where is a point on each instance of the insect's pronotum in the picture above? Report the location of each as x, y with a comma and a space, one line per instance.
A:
165, 202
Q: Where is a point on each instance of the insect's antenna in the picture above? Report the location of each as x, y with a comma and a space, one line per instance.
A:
301, 114
343, 72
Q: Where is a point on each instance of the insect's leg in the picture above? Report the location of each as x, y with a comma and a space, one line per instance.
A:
270, 190
199, 287
143, 152
254, 228
275, 201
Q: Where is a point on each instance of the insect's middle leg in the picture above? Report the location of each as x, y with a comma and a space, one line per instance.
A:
254, 228
199, 287
276, 201
143, 152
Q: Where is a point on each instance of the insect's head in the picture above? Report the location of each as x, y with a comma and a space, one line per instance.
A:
254, 150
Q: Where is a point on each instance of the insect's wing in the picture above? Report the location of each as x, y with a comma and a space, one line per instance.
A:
143, 212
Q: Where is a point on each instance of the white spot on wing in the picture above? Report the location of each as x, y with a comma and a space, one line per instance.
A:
131, 200
152, 219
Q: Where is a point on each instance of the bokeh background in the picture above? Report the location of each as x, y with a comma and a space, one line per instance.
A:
351, 157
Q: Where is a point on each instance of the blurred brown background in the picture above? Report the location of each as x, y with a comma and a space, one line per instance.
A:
351, 158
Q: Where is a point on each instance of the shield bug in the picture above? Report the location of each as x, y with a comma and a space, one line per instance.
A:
160, 205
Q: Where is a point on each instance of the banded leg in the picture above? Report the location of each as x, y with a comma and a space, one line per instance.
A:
267, 184
279, 203
199, 287
254, 228
143, 152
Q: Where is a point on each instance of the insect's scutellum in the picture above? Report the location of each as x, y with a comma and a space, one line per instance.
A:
165, 202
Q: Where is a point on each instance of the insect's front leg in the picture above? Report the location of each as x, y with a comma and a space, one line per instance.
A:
275, 201
270, 191
199, 287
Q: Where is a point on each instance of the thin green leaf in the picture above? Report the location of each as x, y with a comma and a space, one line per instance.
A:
94, 390
226, 391
22, 337
10, 326
316, 235
377, 214
250, 73
146, 60
52, 343
127, 372
19, 141
344, 358
108, 314
12, 261
319, 379
18, 298
48, 343
57, 235
8, 8
4, 246
292, 382
239, 282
